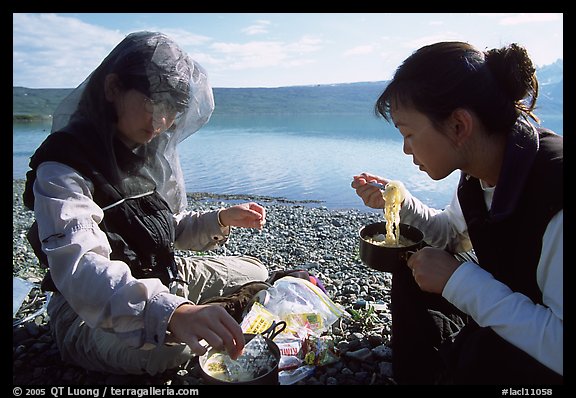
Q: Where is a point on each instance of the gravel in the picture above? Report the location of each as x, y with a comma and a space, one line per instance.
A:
297, 235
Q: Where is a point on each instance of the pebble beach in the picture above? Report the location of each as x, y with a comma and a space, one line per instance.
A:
296, 235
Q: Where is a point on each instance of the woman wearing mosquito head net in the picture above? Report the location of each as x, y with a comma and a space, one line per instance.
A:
110, 204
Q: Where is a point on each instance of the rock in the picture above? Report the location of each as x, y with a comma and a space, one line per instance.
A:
296, 235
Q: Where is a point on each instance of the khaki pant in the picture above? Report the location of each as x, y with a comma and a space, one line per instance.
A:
98, 350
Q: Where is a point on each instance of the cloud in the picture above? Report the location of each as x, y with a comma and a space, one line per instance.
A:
436, 23
185, 38
59, 50
360, 50
64, 50
260, 27
530, 18
419, 42
307, 44
261, 54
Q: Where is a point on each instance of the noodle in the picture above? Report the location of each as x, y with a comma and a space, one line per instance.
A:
393, 197
379, 240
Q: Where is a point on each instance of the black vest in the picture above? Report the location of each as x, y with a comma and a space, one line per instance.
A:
508, 238
138, 222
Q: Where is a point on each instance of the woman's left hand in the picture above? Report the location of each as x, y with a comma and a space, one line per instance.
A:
247, 215
431, 268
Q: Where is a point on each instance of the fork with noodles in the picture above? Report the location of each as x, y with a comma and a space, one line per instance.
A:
393, 195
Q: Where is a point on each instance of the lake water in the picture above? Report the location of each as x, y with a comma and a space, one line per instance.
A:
296, 157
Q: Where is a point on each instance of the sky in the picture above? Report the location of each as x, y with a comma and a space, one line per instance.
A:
270, 49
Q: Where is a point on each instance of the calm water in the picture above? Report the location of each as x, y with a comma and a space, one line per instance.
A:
303, 157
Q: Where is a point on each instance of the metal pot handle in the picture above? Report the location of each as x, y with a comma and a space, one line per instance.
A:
274, 330
404, 256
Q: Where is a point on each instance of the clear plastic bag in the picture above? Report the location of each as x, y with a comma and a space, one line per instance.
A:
308, 312
22, 291
292, 376
302, 305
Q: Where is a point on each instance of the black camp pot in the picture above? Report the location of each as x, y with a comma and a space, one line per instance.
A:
269, 378
388, 259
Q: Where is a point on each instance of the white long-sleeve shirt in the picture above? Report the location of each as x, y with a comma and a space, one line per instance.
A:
534, 328
101, 291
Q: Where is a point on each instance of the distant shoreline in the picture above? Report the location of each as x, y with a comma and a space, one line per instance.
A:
207, 196
242, 197
30, 118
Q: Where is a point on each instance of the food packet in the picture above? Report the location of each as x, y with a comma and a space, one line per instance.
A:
257, 320
289, 345
319, 350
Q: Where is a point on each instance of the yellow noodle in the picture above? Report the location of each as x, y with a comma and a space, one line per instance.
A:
393, 197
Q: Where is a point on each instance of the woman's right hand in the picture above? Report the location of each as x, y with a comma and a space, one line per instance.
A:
370, 195
191, 323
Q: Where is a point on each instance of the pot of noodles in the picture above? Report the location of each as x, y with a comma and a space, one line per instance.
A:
378, 254
258, 363
386, 245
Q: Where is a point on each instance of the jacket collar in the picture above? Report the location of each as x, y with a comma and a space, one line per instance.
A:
521, 150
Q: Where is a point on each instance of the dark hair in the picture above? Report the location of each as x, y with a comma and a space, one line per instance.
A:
131, 60
128, 60
498, 85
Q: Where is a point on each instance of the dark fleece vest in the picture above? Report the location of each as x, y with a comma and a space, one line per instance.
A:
140, 229
507, 238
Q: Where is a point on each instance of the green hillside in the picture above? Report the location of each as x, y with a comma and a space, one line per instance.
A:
352, 98
30, 103
348, 98
340, 98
